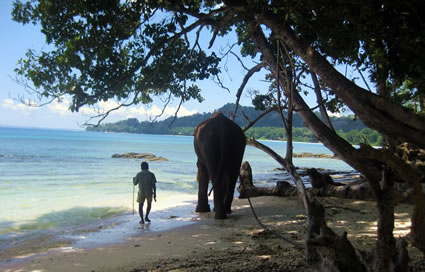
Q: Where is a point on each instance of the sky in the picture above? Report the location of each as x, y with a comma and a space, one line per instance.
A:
18, 38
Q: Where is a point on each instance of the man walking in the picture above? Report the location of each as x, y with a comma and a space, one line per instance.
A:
147, 187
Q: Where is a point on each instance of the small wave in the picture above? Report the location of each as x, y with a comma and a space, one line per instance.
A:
66, 218
19, 157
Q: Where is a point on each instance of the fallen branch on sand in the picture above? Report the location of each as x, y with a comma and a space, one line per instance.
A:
322, 185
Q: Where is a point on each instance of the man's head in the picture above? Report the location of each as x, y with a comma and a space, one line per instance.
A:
145, 166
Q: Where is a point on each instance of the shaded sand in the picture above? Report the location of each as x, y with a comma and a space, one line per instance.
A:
235, 244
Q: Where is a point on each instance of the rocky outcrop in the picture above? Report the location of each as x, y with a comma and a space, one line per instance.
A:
314, 155
143, 156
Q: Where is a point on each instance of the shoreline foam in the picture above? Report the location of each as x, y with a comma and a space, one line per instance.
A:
173, 213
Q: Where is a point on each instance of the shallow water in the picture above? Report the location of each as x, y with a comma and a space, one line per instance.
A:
51, 179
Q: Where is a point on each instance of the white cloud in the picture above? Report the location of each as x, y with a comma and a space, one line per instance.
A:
16, 106
60, 107
110, 104
334, 114
185, 112
88, 111
149, 113
140, 112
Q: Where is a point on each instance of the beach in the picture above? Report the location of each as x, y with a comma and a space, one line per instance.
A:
238, 243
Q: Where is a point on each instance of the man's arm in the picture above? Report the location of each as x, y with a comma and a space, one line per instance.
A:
154, 187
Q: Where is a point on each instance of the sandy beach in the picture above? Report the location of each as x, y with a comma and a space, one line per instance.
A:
197, 242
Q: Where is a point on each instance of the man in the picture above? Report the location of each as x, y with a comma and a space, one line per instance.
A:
147, 187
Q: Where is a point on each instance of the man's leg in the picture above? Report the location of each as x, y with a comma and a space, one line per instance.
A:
148, 209
142, 201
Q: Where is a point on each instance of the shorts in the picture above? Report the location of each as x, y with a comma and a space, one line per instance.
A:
141, 198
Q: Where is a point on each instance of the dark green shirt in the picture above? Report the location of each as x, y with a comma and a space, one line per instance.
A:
146, 181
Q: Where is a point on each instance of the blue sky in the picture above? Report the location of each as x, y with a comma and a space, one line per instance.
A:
17, 39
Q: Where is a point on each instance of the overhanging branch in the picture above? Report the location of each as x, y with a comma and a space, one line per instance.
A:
375, 111
245, 80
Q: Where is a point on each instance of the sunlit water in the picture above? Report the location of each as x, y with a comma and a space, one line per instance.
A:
55, 178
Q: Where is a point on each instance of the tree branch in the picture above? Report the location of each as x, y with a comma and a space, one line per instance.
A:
264, 113
250, 73
320, 101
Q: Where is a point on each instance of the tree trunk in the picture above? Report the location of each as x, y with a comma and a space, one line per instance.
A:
289, 142
385, 245
343, 149
411, 176
320, 101
329, 138
326, 251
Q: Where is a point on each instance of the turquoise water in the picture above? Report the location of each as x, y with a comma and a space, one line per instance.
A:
55, 178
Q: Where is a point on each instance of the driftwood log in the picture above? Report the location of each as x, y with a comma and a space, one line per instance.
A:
248, 189
322, 185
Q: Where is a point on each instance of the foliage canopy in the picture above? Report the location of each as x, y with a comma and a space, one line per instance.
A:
121, 49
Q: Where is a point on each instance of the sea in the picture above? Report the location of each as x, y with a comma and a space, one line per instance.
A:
53, 181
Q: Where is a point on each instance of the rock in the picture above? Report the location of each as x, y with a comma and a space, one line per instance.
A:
144, 156
319, 180
314, 155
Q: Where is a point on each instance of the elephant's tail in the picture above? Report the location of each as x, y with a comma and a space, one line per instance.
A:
212, 188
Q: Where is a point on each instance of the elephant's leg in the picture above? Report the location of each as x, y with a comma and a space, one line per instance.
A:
219, 194
230, 190
203, 179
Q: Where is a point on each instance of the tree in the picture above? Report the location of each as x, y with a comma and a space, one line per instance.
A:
118, 50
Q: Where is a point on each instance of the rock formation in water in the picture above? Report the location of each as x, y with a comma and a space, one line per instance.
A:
143, 156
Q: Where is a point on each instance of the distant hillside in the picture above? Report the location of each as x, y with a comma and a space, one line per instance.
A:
271, 120
270, 127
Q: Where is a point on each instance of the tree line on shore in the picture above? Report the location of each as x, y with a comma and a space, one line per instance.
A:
269, 128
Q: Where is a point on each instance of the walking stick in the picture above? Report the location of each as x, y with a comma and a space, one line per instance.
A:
133, 196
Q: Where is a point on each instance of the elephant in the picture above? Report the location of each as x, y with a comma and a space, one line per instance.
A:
219, 145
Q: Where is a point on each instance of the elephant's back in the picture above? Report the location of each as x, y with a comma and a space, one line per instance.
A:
219, 143
219, 128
